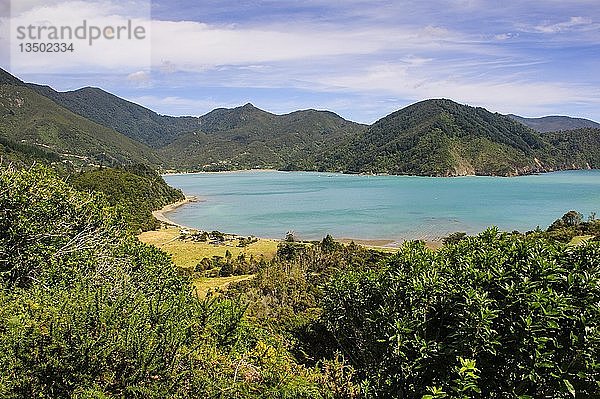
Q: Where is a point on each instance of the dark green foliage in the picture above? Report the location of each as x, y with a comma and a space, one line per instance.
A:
137, 189
217, 235
570, 225
26, 151
289, 250
569, 219
556, 123
443, 138
247, 137
32, 204
127, 118
86, 311
286, 292
522, 314
33, 119
575, 149
225, 267
329, 245
454, 238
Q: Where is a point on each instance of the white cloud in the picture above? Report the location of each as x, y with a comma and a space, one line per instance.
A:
574, 23
505, 36
409, 58
508, 95
197, 46
139, 76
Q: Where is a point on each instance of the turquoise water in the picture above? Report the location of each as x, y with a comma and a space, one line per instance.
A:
268, 204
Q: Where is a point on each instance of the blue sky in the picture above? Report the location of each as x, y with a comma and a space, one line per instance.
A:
360, 59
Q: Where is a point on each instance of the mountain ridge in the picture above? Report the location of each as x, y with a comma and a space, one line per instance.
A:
440, 137
151, 128
554, 123
32, 119
435, 137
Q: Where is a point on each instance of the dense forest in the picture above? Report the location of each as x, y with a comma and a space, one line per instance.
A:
135, 189
87, 311
436, 137
30, 118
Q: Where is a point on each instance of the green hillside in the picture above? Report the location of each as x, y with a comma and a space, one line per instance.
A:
247, 137
137, 189
443, 138
88, 311
33, 119
21, 154
432, 137
576, 149
130, 119
555, 123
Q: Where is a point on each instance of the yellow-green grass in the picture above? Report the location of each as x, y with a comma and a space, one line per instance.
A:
577, 240
205, 284
187, 254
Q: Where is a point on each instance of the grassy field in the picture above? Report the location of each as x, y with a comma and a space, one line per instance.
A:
187, 254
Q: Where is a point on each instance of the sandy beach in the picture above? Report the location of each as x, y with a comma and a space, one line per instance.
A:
160, 214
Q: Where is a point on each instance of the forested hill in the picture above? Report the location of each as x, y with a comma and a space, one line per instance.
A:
136, 189
444, 138
28, 118
579, 148
248, 137
555, 123
129, 119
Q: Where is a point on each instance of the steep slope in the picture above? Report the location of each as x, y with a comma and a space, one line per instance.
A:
433, 137
138, 189
29, 118
555, 123
130, 119
575, 149
443, 138
247, 137
20, 154
8, 79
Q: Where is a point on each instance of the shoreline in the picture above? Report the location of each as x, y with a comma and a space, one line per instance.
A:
161, 214
220, 172
383, 243
537, 173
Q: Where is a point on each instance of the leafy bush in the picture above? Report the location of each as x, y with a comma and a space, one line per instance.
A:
137, 189
524, 311
87, 311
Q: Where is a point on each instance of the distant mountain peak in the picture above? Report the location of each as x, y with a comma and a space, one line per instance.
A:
555, 123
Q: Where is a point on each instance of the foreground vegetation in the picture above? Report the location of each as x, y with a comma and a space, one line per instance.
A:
136, 189
88, 311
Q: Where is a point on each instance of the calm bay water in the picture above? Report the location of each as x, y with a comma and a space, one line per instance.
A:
268, 204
